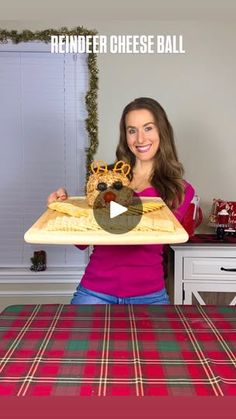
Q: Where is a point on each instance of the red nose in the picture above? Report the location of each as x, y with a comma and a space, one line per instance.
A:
109, 196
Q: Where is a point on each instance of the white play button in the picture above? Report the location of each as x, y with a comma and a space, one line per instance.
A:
116, 209
115, 217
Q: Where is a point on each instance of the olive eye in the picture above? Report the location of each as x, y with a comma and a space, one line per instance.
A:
117, 185
101, 186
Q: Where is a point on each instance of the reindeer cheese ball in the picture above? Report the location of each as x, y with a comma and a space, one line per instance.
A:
105, 185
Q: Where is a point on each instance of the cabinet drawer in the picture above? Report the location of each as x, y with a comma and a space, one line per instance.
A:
209, 268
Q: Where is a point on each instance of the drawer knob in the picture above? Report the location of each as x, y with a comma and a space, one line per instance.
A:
228, 269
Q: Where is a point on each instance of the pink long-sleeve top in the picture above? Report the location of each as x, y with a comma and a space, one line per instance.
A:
130, 270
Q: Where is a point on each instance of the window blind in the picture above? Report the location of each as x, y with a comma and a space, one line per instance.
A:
43, 140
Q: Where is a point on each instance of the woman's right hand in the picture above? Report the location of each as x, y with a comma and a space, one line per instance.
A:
60, 194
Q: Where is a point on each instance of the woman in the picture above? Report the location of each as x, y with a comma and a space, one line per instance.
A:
133, 274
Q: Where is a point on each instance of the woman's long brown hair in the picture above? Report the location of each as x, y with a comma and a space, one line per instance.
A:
168, 172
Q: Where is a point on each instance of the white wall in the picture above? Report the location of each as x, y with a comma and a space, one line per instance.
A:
197, 89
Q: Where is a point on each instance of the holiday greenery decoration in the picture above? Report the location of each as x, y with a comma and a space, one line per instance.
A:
91, 96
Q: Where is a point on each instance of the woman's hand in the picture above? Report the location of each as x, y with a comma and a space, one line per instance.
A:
60, 194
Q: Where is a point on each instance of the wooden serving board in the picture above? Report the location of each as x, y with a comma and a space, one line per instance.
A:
38, 233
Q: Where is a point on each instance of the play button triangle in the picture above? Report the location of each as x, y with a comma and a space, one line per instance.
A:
116, 209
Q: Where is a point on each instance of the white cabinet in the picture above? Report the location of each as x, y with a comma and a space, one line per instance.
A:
204, 270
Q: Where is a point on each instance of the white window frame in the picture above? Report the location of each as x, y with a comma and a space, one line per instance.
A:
67, 255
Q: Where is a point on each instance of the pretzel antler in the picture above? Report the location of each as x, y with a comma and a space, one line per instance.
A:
98, 166
122, 167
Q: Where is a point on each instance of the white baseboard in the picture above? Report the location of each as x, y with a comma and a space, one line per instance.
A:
21, 286
19, 275
35, 293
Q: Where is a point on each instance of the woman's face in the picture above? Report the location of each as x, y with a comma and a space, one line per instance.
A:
142, 134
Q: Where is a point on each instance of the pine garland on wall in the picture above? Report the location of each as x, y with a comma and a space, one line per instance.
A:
91, 96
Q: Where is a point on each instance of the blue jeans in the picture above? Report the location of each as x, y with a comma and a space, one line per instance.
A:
85, 296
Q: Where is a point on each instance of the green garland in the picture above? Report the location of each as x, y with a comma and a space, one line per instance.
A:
91, 96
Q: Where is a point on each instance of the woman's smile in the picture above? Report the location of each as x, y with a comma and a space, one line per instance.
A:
143, 148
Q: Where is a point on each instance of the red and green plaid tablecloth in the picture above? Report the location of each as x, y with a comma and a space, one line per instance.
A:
108, 350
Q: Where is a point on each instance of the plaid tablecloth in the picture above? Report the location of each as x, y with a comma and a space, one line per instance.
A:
109, 350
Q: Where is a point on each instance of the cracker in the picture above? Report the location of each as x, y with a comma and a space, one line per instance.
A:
145, 208
65, 223
68, 208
